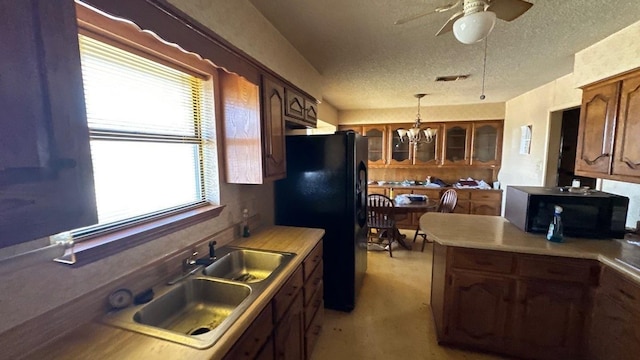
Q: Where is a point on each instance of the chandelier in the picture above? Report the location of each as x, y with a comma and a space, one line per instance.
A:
416, 134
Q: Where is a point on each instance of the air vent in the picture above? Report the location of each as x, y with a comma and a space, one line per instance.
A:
452, 77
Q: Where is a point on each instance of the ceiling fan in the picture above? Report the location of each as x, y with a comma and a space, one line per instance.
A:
476, 18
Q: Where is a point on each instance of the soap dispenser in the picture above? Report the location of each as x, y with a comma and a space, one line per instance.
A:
555, 227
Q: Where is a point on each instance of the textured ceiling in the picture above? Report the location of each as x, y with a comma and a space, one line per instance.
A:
368, 62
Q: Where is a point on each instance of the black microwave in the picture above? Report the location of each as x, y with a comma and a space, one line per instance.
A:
586, 214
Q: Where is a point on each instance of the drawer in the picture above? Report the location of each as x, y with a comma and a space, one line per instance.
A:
625, 292
463, 194
482, 260
287, 293
252, 340
315, 303
486, 195
312, 283
313, 333
312, 260
561, 269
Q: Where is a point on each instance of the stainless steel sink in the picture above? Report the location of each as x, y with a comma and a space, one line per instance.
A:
199, 309
194, 312
247, 266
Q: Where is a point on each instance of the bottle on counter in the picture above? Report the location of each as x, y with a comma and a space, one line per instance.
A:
428, 180
245, 223
555, 227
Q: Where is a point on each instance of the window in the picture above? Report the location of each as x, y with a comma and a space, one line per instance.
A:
151, 134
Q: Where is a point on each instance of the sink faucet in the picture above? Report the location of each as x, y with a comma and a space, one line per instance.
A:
189, 267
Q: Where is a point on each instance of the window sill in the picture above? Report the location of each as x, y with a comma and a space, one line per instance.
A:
101, 246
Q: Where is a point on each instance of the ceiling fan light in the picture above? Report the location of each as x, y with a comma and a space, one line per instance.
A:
474, 27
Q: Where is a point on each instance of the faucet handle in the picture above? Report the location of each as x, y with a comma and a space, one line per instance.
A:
190, 261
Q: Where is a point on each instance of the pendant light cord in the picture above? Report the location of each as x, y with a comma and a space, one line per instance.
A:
484, 67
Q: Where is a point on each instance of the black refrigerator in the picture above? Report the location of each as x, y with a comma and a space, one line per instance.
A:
326, 187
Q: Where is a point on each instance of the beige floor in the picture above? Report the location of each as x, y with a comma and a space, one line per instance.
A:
392, 318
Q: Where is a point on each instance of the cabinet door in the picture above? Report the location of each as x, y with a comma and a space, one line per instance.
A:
289, 337
627, 147
275, 166
457, 138
479, 309
487, 143
311, 112
294, 105
46, 177
377, 139
614, 333
429, 153
400, 150
595, 133
549, 319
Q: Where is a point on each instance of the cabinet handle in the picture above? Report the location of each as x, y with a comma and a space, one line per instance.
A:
591, 162
631, 164
629, 296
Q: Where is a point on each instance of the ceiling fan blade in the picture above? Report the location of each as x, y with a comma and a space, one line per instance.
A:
509, 10
436, 10
448, 26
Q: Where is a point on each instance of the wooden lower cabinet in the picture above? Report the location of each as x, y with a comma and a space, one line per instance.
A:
550, 317
478, 310
289, 333
614, 329
527, 306
289, 326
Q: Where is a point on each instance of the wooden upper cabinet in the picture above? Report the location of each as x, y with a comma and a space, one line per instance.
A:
457, 143
377, 143
253, 142
400, 151
627, 147
273, 104
300, 109
46, 177
486, 139
597, 125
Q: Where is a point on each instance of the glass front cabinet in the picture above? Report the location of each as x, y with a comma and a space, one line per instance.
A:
487, 140
428, 153
401, 152
457, 140
377, 136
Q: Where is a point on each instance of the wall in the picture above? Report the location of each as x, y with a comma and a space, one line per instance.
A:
240, 23
328, 113
533, 108
489, 111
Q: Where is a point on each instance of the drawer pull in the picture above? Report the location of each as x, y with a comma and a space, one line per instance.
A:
317, 280
629, 296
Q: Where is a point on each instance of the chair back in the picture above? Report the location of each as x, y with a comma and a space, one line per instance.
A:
448, 201
380, 212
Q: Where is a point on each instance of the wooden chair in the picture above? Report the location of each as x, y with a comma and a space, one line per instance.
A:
380, 217
448, 202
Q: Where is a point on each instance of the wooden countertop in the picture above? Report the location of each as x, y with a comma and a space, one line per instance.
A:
497, 233
96, 340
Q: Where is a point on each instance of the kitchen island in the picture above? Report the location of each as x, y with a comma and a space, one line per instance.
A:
285, 334
496, 288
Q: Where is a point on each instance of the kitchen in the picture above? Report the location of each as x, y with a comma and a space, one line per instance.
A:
533, 107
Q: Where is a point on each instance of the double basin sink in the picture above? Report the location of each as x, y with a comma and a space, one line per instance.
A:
199, 309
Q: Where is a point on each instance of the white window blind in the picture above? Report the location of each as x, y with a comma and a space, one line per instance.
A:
149, 124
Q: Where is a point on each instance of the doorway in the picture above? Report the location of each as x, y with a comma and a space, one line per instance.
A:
567, 149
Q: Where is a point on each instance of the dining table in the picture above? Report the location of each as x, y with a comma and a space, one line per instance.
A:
404, 210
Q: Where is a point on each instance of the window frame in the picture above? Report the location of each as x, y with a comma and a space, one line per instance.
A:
127, 36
